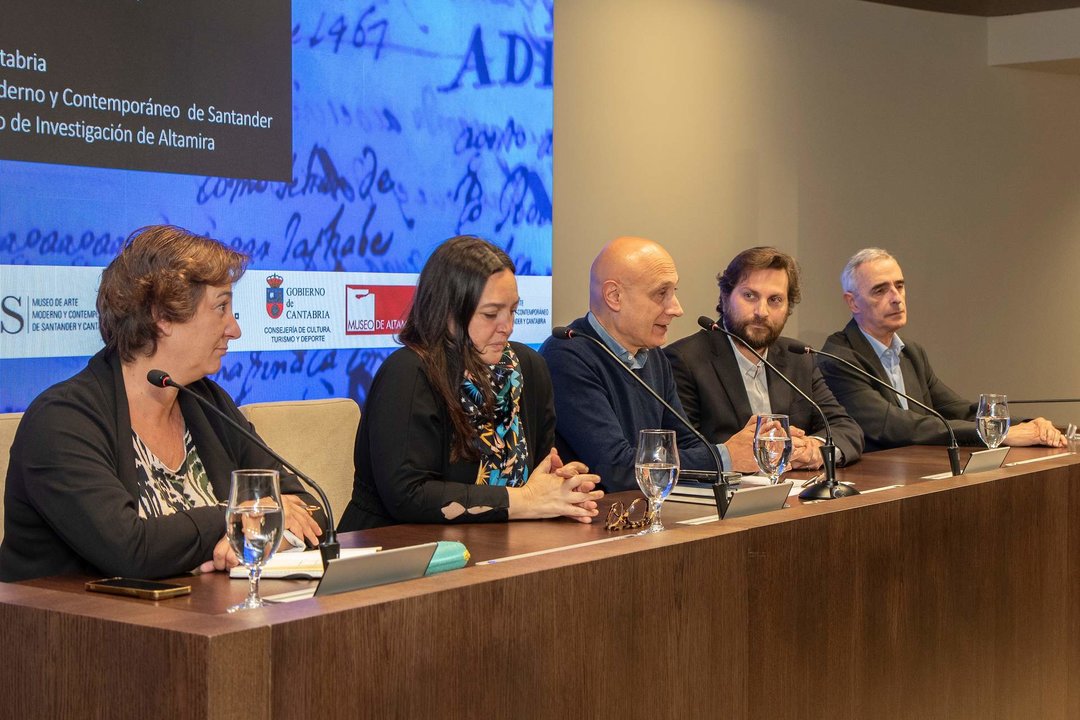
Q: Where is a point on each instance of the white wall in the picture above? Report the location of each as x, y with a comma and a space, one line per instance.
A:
823, 126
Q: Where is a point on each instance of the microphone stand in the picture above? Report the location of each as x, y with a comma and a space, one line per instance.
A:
721, 492
329, 548
954, 449
829, 488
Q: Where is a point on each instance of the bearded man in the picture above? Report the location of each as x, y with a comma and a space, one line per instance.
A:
723, 387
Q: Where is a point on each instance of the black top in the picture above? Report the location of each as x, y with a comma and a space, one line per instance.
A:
711, 387
402, 456
884, 422
71, 499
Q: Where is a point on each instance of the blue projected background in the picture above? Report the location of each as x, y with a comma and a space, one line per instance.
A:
411, 121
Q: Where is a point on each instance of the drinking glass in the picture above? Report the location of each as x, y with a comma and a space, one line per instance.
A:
772, 445
992, 419
253, 524
656, 465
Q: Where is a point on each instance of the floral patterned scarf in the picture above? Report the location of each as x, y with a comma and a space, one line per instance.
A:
504, 453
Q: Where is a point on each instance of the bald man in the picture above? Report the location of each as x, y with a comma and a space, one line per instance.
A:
600, 409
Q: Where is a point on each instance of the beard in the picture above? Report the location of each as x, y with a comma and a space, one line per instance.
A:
759, 338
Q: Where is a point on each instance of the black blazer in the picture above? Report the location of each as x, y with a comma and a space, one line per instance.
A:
714, 396
402, 454
71, 499
877, 409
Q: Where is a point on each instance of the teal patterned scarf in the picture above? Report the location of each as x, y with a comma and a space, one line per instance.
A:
504, 453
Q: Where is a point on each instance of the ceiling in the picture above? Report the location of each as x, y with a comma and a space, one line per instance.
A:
984, 7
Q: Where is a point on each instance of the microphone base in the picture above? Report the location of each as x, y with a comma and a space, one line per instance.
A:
825, 490
954, 460
330, 550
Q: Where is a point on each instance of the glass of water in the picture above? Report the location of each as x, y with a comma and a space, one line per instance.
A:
992, 419
1072, 439
772, 445
656, 465
253, 524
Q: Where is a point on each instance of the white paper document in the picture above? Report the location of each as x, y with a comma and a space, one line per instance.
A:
296, 564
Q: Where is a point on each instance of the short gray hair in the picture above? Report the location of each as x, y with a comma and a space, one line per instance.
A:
847, 275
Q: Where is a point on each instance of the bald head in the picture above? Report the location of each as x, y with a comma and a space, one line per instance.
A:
632, 292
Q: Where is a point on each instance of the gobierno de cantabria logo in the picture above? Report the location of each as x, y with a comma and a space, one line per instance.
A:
275, 296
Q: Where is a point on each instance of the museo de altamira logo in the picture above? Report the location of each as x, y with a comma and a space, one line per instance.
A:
376, 309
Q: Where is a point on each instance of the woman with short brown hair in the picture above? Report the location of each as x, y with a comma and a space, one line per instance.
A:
110, 475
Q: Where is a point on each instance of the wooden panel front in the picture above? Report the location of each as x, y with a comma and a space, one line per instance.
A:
66, 656
950, 599
947, 605
653, 627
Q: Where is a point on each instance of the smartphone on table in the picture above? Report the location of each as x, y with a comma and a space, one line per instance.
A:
132, 587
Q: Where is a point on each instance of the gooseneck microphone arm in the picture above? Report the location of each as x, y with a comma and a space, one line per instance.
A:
829, 487
954, 450
565, 333
329, 547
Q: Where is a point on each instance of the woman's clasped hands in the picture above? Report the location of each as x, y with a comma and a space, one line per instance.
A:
555, 489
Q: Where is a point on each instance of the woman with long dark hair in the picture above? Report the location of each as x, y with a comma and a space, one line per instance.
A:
459, 424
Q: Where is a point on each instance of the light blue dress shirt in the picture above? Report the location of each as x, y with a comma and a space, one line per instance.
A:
634, 362
754, 380
890, 360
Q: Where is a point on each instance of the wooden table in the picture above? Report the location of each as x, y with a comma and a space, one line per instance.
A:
948, 599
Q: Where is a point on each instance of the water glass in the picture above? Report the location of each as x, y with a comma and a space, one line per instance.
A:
656, 465
772, 445
992, 419
253, 524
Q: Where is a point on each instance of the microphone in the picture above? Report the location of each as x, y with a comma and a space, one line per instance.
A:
954, 450
828, 488
329, 547
565, 333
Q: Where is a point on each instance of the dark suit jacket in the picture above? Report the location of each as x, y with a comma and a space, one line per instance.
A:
71, 501
714, 396
877, 410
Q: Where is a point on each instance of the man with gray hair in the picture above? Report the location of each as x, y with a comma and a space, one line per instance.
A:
874, 291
